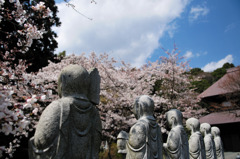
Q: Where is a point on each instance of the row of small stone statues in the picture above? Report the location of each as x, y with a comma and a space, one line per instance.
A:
70, 127
144, 140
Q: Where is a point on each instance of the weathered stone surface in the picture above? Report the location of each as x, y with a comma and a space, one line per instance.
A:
121, 142
70, 127
196, 143
177, 141
218, 142
145, 138
210, 149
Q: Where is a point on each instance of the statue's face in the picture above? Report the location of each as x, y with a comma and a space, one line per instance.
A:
215, 131
169, 120
202, 129
136, 109
188, 126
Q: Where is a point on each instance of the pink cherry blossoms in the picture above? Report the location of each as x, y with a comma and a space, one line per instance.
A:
29, 31
20, 104
121, 85
24, 96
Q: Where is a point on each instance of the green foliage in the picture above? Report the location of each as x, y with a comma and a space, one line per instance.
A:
113, 153
228, 65
62, 54
218, 73
200, 86
157, 86
207, 79
41, 50
196, 71
8, 26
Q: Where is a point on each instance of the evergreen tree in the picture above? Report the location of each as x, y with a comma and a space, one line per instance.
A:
218, 73
42, 49
196, 71
207, 78
8, 31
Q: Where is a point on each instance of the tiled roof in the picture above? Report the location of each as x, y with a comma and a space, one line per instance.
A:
221, 117
216, 88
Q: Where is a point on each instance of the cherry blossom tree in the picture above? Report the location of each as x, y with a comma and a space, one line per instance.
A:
20, 106
175, 85
24, 96
23, 31
122, 84
26, 31
17, 94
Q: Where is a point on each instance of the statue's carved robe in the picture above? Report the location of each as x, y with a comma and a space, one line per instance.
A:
67, 129
219, 147
209, 147
196, 146
177, 144
145, 140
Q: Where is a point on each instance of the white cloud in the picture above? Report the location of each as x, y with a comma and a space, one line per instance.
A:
229, 27
198, 11
214, 65
127, 30
172, 28
188, 55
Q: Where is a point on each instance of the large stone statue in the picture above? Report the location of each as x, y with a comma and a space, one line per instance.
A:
210, 149
70, 127
196, 143
218, 142
145, 137
177, 141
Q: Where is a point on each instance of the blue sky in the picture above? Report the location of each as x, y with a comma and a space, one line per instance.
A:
206, 32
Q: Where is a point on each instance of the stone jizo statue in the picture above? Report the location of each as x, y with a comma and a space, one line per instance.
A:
218, 142
210, 149
177, 141
145, 137
70, 127
121, 142
196, 143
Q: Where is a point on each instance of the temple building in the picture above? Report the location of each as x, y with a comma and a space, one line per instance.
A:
223, 103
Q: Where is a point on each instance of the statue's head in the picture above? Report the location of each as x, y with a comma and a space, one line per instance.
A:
121, 142
76, 81
193, 124
143, 106
215, 131
174, 117
205, 128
